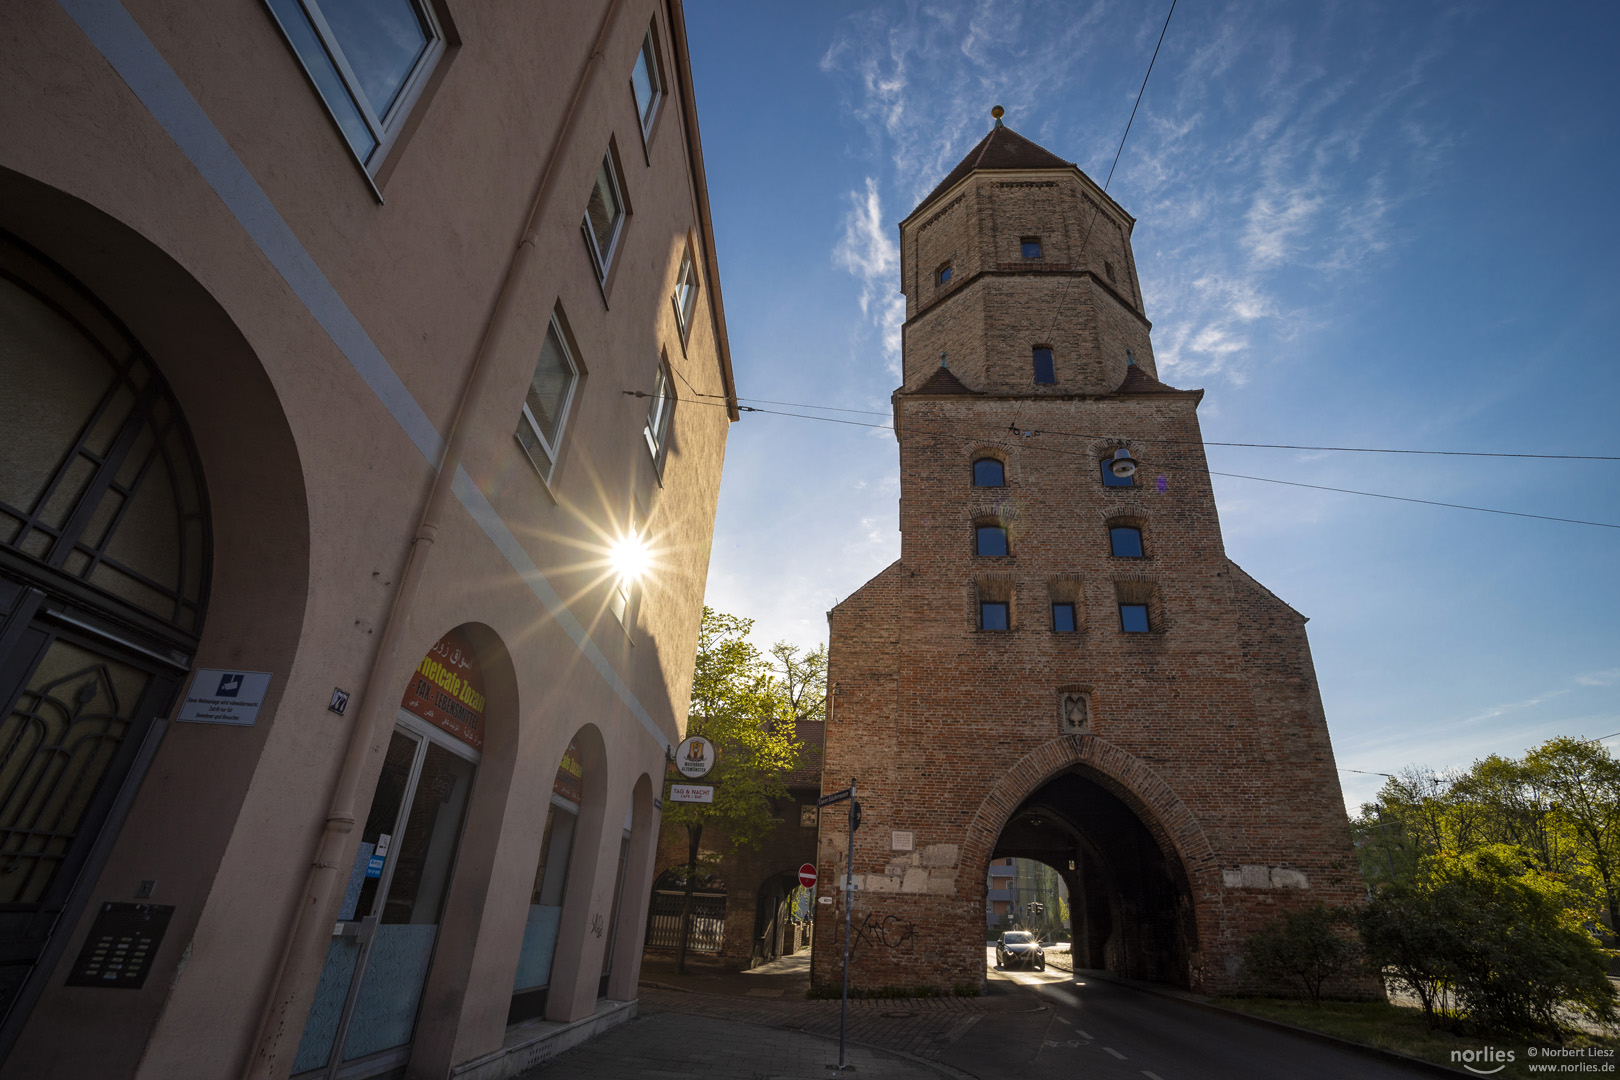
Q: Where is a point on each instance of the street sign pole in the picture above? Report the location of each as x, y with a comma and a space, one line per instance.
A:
849, 899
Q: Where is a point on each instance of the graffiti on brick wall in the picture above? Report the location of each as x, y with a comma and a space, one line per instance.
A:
887, 931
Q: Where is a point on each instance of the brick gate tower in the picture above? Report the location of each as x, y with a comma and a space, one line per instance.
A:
1063, 664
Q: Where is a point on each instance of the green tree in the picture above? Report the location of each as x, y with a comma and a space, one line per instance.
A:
1303, 950
1521, 950
803, 674
1414, 933
1581, 781
740, 706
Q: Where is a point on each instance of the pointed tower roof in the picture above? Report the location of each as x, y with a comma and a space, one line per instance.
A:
1003, 148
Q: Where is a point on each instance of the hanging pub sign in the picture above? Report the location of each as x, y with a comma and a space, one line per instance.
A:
570, 782
447, 690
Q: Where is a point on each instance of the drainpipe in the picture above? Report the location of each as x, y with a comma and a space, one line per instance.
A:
302, 955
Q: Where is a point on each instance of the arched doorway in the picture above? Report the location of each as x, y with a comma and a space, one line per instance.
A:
532, 982
105, 562
364, 1013
780, 910
1129, 899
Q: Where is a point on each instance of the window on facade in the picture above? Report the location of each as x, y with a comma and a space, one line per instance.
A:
1133, 618
686, 288
604, 215
656, 431
1110, 480
990, 540
992, 615
368, 61
1044, 370
944, 275
1031, 247
1063, 618
988, 472
1126, 541
545, 408
648, 82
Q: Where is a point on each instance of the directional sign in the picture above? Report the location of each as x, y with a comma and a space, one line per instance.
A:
691, 793
835, 797
807, 876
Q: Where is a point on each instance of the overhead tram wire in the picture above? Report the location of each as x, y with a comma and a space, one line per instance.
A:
1211, 472
1079, 259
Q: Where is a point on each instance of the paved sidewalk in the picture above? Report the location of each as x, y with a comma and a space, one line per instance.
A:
665, 1045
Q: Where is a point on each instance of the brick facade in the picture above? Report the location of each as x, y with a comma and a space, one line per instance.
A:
1191, 794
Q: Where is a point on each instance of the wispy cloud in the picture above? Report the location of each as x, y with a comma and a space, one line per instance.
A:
1599, 678
868, 250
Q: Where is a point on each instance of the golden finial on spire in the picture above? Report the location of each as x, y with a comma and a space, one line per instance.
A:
998, 112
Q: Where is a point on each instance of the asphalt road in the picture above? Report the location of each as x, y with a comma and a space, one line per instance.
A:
1075, 1026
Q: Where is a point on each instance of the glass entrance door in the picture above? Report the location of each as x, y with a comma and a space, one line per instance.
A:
74, 708
377, 964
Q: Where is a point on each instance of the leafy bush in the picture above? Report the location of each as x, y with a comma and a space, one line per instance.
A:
1505, 938
1303, 950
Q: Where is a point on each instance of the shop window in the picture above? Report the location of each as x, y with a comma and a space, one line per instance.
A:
550, 889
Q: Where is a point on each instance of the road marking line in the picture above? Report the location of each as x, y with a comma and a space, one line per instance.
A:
1116, 1053
1082, 1034
1151, 1076
1064, 1022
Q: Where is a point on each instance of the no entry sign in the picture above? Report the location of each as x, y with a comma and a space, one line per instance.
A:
807, 876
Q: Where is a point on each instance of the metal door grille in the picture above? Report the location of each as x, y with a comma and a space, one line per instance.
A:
707, 932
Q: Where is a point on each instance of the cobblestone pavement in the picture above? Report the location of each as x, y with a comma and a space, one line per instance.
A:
665, 1045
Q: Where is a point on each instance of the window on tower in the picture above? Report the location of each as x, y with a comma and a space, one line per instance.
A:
1031, 247
1126, 541
990, 540
1063, 618
988, 472
1108, 477
943, 275
1044, 370
1133, 618
992, 615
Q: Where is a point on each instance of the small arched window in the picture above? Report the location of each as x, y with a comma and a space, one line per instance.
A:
990, 540
988, 472
1125, 541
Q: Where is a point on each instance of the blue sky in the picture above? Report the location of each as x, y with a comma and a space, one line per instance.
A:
1357, 225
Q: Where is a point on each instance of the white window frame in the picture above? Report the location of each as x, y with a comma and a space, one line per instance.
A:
655, 78
660, 415
603, 261
551, 447
684, 312
384, 129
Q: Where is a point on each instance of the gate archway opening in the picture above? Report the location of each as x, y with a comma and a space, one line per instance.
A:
1130, 904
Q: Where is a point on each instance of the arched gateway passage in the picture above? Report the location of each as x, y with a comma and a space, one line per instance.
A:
1125, 846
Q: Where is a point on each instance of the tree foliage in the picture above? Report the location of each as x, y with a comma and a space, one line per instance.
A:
1503, 937
740, 704
1303, 950
1560, 805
